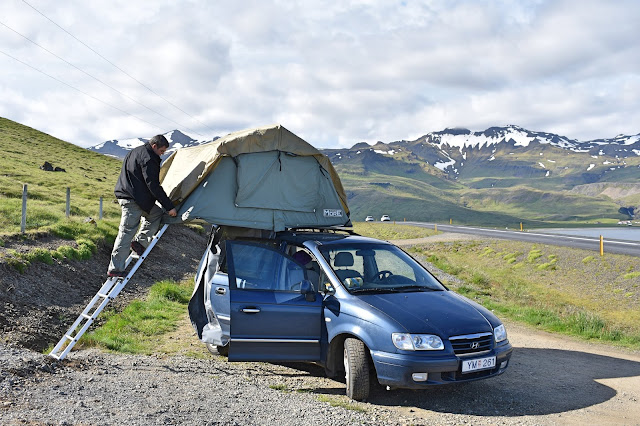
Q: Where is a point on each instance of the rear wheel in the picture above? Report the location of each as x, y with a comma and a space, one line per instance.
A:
356, 366
218, 350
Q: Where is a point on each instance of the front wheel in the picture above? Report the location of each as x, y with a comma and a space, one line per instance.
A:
356, 368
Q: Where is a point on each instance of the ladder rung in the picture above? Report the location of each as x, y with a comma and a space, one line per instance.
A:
86, 316
106, 296
69, 337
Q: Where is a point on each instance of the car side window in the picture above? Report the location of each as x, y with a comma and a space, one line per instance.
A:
325, 283
292, 276
258, 267
255, 267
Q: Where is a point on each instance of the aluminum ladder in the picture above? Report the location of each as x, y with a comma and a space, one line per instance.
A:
109, 291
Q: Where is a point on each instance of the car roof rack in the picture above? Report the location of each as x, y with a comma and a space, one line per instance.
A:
328, 229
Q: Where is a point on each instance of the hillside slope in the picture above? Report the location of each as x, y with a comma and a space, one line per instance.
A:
89, 176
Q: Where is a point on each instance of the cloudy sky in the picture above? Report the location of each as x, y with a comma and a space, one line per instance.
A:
334, 72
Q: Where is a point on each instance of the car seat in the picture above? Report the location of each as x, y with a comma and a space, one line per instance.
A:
344, 259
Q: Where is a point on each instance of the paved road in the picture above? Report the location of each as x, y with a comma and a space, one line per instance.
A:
631, 248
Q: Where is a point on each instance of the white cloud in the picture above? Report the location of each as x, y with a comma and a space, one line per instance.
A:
336, 73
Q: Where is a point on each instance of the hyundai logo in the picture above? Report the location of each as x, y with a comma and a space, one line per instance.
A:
475, 345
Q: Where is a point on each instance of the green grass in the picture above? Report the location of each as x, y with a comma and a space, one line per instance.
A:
139, 327
339, 401
391, 231
281, 387
553, 288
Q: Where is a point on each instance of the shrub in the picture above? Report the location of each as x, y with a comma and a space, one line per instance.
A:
487, 252
40, 255
170, 290
67, 252
534, 254
480, 279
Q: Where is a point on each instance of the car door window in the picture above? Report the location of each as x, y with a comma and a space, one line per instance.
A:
258, 267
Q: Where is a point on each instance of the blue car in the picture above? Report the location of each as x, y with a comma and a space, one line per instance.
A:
361, 307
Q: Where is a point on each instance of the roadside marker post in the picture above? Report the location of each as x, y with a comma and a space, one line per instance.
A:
23, 221
601, 246
521, 229
435, 227
68, 208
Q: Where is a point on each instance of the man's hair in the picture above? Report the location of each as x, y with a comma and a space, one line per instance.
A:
160, 141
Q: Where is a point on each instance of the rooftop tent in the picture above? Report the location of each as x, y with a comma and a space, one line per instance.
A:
263, 178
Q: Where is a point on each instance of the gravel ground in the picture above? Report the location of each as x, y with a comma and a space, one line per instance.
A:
551, 380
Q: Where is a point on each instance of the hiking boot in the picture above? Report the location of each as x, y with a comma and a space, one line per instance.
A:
137, 248
115, 274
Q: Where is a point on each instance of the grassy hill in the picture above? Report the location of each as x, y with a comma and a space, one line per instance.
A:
89, 176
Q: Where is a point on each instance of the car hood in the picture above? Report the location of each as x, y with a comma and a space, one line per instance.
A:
444, 313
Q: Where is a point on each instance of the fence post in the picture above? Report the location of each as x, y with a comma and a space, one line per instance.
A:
100, 212
23, 221
68, 209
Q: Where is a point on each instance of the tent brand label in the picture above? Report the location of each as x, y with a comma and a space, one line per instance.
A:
332, 213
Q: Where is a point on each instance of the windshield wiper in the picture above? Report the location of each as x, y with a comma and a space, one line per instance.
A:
373, 290
416, 287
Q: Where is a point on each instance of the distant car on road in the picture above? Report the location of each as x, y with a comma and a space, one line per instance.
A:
369, 219
385, 218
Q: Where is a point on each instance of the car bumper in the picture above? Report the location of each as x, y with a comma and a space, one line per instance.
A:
396, 370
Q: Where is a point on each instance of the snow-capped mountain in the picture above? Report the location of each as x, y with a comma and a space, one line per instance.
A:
119, 148
504, 152
518, 136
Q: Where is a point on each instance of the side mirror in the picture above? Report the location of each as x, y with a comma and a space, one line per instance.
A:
307, 289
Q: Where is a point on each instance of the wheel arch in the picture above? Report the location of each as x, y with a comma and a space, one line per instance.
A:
334, 363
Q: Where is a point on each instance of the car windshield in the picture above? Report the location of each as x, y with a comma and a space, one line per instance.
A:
375, 268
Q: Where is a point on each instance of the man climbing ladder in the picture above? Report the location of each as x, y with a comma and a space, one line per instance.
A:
137, 190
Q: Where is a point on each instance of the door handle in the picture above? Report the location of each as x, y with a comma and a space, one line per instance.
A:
250, 310
221, 290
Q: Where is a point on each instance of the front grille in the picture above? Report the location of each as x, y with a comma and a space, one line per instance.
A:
472, 344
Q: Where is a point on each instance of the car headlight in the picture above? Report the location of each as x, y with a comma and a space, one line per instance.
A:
417, 342
500, 333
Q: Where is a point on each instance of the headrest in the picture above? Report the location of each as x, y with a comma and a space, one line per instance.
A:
302, 257
343, 258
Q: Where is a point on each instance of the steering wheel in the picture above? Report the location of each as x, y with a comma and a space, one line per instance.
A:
383, 275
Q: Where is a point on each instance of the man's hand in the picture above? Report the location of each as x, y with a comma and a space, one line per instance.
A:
172, 213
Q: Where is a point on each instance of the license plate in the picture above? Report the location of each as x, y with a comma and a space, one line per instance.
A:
478, 364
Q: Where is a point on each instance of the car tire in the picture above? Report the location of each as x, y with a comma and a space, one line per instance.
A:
218, 350
356, 366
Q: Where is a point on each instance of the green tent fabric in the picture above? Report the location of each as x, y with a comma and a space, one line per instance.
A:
264, 178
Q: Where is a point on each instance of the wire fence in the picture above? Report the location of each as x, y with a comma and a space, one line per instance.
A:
67, 210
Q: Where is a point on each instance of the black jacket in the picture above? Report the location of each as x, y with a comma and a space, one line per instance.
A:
140, 179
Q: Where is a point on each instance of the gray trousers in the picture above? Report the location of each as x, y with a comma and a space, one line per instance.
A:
132, 216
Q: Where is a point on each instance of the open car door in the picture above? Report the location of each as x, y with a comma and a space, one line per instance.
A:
276, 314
